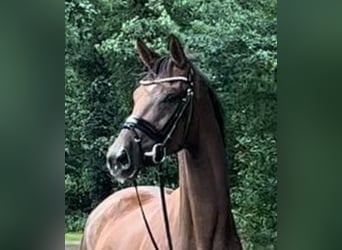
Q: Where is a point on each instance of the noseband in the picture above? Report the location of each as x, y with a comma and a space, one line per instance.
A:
161, 137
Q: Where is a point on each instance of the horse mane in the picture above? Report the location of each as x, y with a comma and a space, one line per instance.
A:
217, 105
218, 109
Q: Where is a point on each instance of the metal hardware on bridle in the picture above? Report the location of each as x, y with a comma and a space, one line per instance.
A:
158, 152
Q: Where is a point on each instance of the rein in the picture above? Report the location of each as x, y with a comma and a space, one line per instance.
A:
166, 220
158, 152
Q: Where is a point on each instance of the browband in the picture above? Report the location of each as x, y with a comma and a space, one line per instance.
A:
167, 79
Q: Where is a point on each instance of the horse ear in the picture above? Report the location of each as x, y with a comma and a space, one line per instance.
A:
176, 51
147, 56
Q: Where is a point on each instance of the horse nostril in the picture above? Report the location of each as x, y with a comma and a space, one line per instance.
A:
123, 159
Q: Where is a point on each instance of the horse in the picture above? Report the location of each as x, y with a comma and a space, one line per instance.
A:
175, 111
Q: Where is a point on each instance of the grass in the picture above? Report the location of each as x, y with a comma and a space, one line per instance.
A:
72, 238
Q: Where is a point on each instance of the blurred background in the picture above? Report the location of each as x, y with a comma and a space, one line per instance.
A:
233, 42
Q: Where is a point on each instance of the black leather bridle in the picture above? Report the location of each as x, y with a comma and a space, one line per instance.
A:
161, 138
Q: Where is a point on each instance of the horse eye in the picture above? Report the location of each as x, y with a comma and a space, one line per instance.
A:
171, 98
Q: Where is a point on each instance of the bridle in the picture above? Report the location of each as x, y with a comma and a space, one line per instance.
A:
161, 138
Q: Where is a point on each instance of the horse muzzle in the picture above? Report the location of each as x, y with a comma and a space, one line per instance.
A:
121, 159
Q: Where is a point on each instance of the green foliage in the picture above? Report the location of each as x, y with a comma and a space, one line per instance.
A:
235, 45
75, 222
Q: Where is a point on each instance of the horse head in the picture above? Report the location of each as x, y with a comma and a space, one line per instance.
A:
160, 120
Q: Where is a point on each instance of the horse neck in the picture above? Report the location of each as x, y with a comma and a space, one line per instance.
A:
205, 217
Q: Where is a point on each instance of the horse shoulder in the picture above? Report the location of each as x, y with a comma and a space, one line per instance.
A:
113, 208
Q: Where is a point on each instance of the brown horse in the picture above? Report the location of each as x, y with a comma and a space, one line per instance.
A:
175, 111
